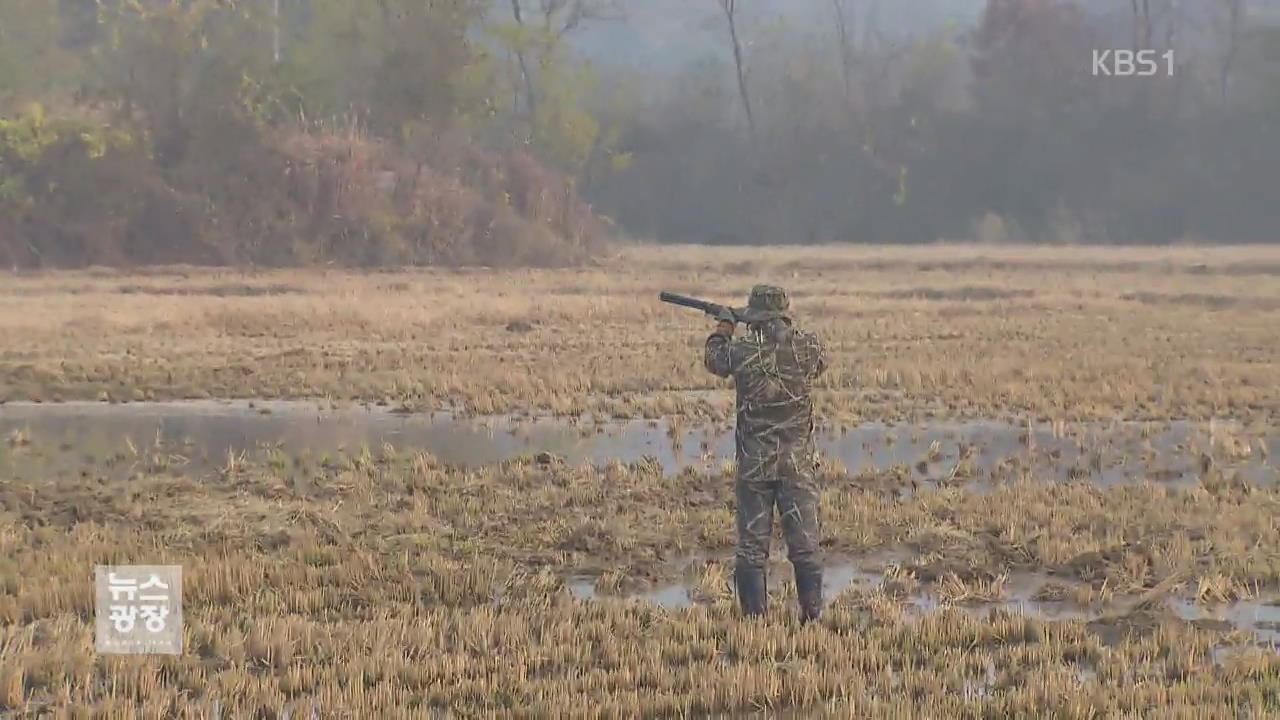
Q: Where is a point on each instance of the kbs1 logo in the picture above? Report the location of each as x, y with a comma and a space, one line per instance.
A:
1132, 63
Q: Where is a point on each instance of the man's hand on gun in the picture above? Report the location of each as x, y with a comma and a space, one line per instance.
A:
725, 322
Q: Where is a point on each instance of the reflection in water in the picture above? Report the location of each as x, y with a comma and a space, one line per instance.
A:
1260, 617
205, 432
672, 597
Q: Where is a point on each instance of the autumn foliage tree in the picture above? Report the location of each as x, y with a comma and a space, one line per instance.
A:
214, 131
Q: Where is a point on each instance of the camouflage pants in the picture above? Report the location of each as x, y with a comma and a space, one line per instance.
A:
793, 488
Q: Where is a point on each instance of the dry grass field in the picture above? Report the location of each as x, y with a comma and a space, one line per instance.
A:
383, 582
922, 332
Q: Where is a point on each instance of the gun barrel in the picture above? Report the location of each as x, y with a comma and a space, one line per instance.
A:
686, 301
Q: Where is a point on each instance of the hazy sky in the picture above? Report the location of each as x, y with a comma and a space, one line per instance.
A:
669, 33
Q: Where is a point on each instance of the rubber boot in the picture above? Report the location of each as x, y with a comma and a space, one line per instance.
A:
753, 591
809, 591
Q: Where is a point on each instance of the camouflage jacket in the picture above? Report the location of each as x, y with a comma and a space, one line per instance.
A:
773, 366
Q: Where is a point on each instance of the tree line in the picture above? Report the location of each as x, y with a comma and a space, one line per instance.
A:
1003, 131
284, 132
290, 132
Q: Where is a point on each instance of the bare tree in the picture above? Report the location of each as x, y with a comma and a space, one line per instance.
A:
275, 31
846, 17
563, 16
1135, 30
1141, 24
559, 17
730, 8
871, 28
1172, 25
530, 97
1235, 14
1146, 24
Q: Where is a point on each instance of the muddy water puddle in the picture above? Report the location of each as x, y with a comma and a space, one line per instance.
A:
1262, 618
200, 435
1023, 593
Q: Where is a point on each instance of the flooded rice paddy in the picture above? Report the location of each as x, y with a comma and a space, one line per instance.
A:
198, 436
1031, 594
974, 569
